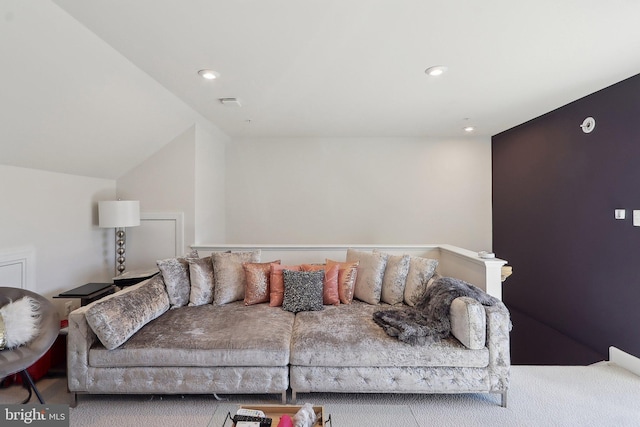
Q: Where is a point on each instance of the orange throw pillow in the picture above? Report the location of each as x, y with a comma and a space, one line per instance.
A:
330, 295
276, 283
258, 278
347, 273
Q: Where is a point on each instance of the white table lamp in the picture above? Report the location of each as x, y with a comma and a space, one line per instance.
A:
119, 214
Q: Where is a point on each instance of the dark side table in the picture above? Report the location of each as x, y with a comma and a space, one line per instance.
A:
89, 292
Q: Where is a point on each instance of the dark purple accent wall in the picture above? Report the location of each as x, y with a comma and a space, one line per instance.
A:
555, 189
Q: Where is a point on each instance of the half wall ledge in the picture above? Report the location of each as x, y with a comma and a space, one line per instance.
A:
454, 261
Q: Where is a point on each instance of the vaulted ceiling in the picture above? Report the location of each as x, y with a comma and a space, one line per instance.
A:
301, 68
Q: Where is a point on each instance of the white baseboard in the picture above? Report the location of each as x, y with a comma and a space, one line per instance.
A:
624, 360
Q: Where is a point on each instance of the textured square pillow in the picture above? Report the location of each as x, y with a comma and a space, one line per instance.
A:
330, 295
420, 271
175, 272
302, 290
276, 283
258, 282
370, 273
229, 278
114, 320
395, 279
201, 278
347, 275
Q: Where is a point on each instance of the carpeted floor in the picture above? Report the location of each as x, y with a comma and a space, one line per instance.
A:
597, 395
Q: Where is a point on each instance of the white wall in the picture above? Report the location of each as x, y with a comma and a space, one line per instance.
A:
360, 190
210, 200
186, 176
56, 215
164, 183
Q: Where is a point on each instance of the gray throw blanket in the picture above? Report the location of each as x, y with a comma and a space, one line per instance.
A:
429, 320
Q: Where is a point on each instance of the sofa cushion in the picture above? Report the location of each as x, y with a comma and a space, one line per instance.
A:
395, 279
229, 278
347, 275
258, 281
115, 319
469, 322
303, 290
207, 335
346, 335
370, 273
420, 271
201, 278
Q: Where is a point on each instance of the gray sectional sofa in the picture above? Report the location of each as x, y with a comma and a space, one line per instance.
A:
136, 341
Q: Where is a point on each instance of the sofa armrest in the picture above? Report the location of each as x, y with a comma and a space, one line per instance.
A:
469, 322
498, 328
79, 341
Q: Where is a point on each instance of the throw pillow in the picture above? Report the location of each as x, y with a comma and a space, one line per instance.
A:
347, 275
258, 282
330, 295
114, 320
302, 290
420, 271
201, 278
370, 273
395, 279
19, 322
229, 278
276, 283
175, 272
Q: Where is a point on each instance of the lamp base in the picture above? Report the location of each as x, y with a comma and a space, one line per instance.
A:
121, 238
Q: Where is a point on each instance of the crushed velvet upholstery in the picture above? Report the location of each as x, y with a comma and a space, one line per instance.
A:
347, 275
116, 319
200, 336
229, 277
201, 278
468, 322
395, 279
258, 276
370, 273
348, 336
407, 378
261, 349
175, 272
420, 271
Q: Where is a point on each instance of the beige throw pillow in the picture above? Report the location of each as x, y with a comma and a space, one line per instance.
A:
229, 277
370, 274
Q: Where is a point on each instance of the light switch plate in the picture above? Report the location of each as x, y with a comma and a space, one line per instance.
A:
620, 213
636, 218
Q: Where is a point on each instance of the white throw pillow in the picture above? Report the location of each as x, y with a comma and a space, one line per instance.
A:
21, 320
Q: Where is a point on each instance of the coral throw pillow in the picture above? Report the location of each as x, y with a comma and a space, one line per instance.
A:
347, 274
330, 295
276, 283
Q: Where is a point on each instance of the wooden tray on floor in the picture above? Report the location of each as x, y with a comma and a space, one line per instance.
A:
276, 411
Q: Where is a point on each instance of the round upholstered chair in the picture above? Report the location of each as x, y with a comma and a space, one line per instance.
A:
18, 359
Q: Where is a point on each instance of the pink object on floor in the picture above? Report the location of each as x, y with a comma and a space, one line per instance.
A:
285, 421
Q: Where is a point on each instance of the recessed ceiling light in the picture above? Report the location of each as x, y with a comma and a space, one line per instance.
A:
469, 129
209, 74
436, 70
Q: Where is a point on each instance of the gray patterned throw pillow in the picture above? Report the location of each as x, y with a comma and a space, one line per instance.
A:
175, 272
303, 290
420, 271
